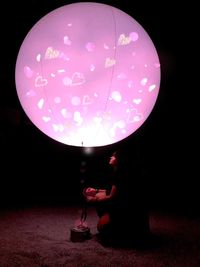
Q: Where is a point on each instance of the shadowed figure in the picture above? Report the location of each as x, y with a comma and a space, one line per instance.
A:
116, 193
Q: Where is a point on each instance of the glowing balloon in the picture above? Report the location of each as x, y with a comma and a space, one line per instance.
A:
87, 74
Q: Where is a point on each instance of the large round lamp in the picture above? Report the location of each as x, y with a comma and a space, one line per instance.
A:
87, 74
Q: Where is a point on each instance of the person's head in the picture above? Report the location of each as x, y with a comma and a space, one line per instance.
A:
113, 159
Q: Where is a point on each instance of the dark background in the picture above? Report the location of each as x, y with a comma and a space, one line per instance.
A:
37, 170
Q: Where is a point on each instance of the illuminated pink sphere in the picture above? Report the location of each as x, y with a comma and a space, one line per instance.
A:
87, 74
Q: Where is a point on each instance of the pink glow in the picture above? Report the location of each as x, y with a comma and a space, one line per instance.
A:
87, 74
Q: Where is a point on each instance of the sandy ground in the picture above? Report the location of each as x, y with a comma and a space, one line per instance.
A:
40, 236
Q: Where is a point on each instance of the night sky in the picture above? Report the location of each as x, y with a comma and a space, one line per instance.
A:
36, 169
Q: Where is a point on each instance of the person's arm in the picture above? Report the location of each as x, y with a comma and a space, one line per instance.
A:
103, 197
99, 195
91, 193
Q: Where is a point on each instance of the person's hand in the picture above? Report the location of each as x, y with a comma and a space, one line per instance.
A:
90, 191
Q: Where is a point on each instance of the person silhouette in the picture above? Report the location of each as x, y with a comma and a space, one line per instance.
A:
117, 200
104, 198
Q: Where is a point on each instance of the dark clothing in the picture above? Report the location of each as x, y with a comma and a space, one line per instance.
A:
110, 179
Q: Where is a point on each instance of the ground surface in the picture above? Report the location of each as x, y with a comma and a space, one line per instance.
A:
33, 237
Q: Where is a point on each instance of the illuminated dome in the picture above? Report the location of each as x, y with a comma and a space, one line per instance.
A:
87, 74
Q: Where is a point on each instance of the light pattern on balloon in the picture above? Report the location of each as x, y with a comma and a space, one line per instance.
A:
87, 74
